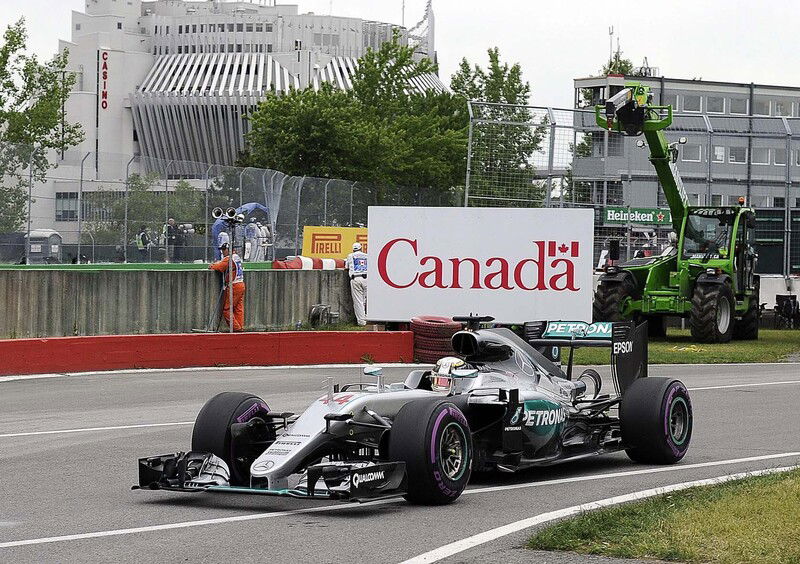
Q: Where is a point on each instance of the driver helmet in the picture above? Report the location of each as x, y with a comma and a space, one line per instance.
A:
441, 377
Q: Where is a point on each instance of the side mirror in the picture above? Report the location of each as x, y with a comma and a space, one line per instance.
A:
465, 373
373, 370
613, 249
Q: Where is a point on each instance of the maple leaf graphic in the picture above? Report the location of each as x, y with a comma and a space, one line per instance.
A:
563, 248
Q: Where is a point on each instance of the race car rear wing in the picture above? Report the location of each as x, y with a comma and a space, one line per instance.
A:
627, 341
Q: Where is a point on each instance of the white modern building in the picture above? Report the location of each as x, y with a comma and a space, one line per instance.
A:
173, 81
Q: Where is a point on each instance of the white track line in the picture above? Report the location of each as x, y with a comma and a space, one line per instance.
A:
457, 547
182, 423
89, 429
313, 366
726, 386
329, 508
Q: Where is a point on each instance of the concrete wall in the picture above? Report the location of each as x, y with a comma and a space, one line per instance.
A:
53, 303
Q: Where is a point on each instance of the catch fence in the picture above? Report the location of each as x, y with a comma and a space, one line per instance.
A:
530, 156
94, 207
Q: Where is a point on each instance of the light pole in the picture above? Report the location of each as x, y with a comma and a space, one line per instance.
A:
80, 206
208, 230
166, 210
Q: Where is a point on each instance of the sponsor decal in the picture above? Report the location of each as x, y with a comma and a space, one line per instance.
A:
578, 329
341, 399
515, 417
104, 80
623, 347
367, 477
646, 216
548, 266
544, 417
511, 429
332, 242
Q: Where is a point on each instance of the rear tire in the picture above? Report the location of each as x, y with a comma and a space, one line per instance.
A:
711, 318
656, 420
610, 299
212, 429
746, 328
434, 440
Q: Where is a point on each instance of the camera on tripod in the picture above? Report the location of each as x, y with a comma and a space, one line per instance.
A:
229, 215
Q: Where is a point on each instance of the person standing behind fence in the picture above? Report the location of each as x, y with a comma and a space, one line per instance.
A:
238, 287
170, 235
251, 241
356, 265
265, 237
142, 243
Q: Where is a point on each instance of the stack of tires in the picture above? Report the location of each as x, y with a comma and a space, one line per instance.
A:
432, 337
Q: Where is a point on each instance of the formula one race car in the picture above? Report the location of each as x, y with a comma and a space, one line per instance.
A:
500, 405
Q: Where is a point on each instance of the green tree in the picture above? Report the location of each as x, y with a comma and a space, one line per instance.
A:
509, 133
32, 124
383, 134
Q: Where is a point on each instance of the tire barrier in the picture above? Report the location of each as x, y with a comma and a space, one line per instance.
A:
432, 337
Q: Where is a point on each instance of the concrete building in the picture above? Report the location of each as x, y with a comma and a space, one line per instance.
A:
743, 140
173, 80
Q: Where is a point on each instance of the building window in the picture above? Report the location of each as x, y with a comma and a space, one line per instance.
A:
222, 48
239, 27
155, 30
119, 25
230, 47
248, 27
259, 28
716, 199
246, 47
166, 31
760, 155
670, 99
194, 28
778, 202
230, 27
166, 50
760, 106
154, 51
715, 105
779, 156
691, 153
238, 47
180, 29
783, 108
66, 206
739, 106
719, 154
692, 103
77, 27
212, 28
269, 47
268, 27
180, 49
202, 28
737, 155
194, 49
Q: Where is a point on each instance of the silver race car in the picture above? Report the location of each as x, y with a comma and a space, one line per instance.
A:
499, 405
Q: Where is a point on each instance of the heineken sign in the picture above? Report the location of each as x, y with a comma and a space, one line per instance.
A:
650, 216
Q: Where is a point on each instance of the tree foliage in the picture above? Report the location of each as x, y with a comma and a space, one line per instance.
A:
502, 155
382, 133
32, 95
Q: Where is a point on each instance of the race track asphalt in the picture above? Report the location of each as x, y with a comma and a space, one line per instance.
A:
76, 485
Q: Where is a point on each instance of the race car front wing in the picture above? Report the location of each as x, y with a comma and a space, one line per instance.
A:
204, 472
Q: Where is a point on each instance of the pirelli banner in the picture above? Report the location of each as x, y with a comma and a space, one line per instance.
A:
516, 265
332, 242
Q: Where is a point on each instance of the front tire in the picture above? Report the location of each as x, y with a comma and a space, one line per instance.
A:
212, 430
656, 420
434, 440
746, 328
711, 318
611, 298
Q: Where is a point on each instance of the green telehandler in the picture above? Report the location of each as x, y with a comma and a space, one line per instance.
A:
708, 273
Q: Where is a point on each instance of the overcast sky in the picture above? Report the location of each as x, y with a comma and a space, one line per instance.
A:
555, 41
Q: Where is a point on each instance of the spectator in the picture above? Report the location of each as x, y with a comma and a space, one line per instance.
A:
170, 235
356, 265
143, 243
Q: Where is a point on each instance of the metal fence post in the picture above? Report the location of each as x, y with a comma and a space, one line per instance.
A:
550, 157
30, 200
325, 204
165, 230
80, 206
125, 226
787, 210
352, 187
469, 159
297, 218
208, 227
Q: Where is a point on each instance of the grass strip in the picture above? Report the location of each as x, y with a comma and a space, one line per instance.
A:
756, 519
679, 348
